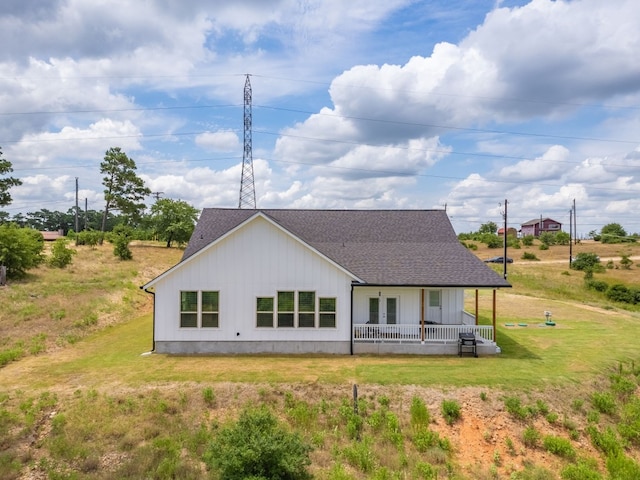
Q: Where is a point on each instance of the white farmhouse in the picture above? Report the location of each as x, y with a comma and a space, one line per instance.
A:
322, 281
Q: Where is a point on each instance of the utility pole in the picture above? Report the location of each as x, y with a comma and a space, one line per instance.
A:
575, 224
504, 238
247, 185
571, 233
77, 226
157, 195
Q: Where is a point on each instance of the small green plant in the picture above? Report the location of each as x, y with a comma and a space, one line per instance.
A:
450, 411
516, 409
483, 396
530, 436
419, 414
530, 256
577, 404
552, 417
584, 469
209, 396
604, 402
511, 448
559, 446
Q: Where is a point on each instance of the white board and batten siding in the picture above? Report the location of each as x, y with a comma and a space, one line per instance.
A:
408, 304
256, 260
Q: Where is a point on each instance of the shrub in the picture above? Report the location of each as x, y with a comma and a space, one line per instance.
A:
597, 285
626, 262
582, 470
621, 293
492, 240
209, 396
529, 256
587, 261
530, 436
559, 446
419, 414
61, 256
257, 446
515, 408
20, 249
607, 441
450, 411
527, 240
603, 402
629, 427
622, 467
544, 246
90, 238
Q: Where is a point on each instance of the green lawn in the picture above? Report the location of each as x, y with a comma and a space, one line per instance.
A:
534, 356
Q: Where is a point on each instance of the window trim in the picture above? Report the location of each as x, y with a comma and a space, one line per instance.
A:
296, 313
199, 311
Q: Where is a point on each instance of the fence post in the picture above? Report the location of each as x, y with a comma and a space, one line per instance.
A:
3, 275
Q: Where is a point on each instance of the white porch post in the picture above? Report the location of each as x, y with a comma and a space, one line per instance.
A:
494, 315
422, 315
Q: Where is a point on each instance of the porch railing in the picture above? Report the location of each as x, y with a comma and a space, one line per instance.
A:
412, 334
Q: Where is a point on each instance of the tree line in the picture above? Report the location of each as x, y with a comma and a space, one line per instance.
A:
125, 217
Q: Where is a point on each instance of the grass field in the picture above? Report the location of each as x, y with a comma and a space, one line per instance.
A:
81, 334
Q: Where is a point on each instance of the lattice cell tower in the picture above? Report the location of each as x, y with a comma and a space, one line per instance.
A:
247, 185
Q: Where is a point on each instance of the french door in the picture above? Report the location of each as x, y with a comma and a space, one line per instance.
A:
383, 310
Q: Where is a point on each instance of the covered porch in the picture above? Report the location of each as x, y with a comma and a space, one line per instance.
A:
401, 332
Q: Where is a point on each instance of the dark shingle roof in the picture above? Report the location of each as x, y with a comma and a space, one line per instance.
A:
380, 247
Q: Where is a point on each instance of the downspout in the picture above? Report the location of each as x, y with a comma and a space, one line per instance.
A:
351, 327
153, 328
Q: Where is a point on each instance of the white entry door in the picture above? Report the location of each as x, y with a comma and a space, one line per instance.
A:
434, 306
383, 310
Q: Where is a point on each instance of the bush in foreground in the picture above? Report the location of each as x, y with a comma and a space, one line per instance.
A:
258, 447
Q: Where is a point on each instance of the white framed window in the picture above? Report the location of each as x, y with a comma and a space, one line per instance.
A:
199, 309
327, 307
264, 312
296, 309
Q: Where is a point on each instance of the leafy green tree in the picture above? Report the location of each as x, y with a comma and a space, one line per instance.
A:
547, 238
562, 238
613, 229
258, 447
7, 182
489, 227
61, 255
173, 220
124, 190
20, 249
614, 233
121, 237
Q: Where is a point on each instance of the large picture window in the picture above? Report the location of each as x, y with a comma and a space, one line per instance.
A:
291, 309
199, 309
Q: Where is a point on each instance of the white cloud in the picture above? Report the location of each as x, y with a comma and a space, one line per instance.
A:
221, 141
549, 166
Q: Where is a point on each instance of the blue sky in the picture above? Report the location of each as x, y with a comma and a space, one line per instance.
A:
361, 104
